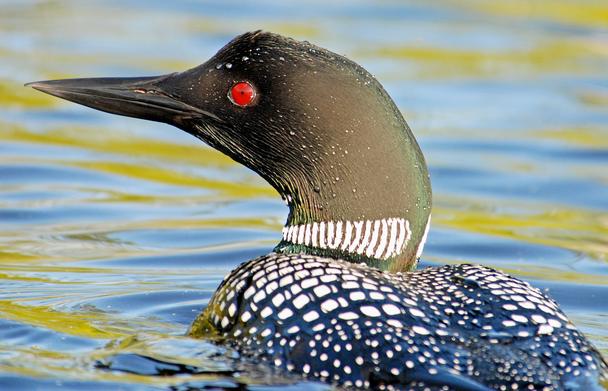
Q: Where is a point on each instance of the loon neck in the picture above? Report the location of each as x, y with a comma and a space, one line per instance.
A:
368, 200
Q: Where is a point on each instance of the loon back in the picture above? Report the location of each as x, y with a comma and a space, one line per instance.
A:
465, 326
337, 299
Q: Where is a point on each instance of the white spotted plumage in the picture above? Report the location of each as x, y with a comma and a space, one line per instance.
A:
316, 309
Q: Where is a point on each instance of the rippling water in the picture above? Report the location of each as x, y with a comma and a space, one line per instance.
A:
115, 232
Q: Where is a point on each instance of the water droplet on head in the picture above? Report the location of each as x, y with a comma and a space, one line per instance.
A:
317, 189
282, 58
228, 65
219, 66
244, 58
292, 133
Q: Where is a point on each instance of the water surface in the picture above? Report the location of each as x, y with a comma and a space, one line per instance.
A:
115, 232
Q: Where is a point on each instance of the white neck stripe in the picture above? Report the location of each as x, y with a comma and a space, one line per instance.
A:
423, 240
380, 239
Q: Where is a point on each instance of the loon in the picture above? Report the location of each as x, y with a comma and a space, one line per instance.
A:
338, 299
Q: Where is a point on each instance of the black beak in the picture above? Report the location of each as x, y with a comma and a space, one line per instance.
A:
139, 97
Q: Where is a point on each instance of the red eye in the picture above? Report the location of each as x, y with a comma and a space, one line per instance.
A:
242, 94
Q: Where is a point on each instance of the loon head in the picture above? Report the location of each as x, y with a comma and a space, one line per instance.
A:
316, 126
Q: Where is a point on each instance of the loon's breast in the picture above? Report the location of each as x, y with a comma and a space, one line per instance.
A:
463, 326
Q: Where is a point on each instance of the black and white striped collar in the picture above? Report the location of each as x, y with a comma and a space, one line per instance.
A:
380, 239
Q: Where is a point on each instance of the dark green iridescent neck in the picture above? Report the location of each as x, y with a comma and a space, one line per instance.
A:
369, 186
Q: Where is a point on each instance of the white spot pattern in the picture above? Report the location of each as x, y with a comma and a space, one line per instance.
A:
347, 323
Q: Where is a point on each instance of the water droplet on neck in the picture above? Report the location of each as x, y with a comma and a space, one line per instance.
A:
228, 65
219, 66
244, 58
317, 189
